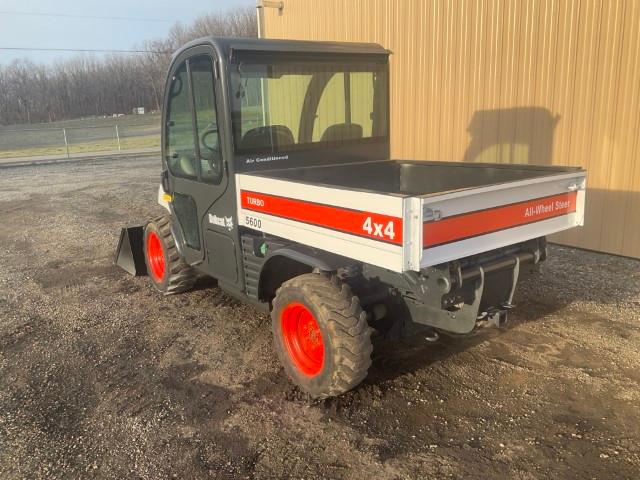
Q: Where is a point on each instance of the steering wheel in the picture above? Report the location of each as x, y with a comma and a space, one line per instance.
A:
213, 150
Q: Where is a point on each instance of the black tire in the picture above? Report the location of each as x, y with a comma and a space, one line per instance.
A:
345, 333
177, 276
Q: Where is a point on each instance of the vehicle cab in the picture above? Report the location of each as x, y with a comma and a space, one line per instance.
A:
245, 105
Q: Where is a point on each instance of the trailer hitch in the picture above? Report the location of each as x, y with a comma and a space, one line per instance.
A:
448, 297
498, 316
463, 317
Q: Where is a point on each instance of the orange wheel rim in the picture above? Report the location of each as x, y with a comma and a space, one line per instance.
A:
302, 338
155, 256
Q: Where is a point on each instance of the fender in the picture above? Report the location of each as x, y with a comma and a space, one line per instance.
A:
178, 237
312, 257
164, 200
301, 258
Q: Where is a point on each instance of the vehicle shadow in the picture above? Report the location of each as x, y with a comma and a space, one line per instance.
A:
566, 278
522, 135
395, 358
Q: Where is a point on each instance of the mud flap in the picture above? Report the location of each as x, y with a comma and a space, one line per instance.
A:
129, 254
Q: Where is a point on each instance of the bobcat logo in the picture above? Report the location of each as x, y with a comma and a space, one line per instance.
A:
226, 222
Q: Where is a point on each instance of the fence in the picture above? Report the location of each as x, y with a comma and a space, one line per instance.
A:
76, 138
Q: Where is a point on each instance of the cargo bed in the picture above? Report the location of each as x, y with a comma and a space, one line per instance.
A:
407, 215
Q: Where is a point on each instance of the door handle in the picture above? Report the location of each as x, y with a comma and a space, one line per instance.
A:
164, 181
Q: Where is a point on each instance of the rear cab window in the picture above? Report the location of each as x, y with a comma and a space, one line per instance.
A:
282, 104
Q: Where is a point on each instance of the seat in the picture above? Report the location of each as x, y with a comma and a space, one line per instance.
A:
186, 165
182, 163
265, 137
341, 132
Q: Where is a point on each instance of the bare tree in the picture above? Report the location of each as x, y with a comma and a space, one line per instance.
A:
88, 85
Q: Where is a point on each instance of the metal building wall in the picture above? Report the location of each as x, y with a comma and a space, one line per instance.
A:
532, 81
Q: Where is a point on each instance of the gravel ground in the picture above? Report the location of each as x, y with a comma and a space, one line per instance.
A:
100, 377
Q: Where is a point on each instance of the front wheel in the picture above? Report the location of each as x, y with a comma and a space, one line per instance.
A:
167, 270
321, 334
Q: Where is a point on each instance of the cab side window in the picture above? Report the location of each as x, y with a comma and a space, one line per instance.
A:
180, 144
209, 153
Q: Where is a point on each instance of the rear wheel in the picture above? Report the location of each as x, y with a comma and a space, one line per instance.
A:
321, 334
168, 271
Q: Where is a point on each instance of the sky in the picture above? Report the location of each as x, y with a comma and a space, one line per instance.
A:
17, 30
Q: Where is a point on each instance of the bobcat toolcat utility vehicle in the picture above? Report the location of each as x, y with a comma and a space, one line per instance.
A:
277, 181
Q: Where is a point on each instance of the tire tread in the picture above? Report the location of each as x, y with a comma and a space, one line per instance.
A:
345, 320
181, 276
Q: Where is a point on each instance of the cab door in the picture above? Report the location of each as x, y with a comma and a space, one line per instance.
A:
191, 148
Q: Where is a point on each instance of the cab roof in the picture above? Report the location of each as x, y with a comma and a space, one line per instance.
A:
227, 46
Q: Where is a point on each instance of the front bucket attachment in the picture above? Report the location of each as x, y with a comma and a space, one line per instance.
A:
129, 255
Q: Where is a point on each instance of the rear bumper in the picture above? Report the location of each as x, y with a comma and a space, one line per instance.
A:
455, 296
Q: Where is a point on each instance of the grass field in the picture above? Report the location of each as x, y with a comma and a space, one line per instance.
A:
83, 135
132, 143
125, 121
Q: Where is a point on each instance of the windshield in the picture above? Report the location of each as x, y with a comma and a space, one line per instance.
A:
281, 106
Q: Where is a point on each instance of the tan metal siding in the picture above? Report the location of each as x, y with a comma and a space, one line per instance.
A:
531, 81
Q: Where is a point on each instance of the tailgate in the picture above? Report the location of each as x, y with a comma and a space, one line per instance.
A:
471, 221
